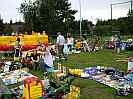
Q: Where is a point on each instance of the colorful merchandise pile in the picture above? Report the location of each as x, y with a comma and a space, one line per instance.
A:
107, 76
25, 84
76, 72
28, 86
14, 76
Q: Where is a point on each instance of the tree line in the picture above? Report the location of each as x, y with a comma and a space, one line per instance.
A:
55, 16
52, 16
124, 25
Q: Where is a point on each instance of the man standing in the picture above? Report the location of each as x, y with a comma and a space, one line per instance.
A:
117, 42
60, 43
17, 54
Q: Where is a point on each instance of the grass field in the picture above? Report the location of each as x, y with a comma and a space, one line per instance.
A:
89, 88
101, 58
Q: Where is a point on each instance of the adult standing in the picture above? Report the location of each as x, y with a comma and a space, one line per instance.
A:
48, 64
17, 50
112, 38
70, 41
60, 43
48, 60
117, 42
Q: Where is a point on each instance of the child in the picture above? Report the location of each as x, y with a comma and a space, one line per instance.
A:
35, 59
78, 45
70, 41
27, 59
53, 52
85, 46
65, 50
17, 54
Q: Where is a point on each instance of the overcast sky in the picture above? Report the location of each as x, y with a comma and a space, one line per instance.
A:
91, 9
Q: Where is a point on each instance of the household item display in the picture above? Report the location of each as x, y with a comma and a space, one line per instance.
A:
76, 72
5, 93
88, 72
14, 76
129, 77
109, 77
7, 66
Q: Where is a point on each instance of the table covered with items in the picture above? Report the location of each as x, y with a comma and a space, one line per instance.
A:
23, 84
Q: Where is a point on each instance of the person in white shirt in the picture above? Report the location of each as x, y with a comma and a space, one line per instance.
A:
48, 60
60, 43
69, 41
48, 63
66, 50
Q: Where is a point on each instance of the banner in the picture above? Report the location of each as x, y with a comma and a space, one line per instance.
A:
26, 39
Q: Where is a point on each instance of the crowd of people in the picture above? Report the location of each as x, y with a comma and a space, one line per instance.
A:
67, 45
63, 45
43, 56
39, 58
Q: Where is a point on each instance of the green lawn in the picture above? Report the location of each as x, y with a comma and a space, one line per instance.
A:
102, 58
89, 88
93, 90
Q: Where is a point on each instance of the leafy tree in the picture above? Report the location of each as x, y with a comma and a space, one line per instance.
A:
130, 13
28, 8
10, 21
8, 28
86, 27
123, 24
48, 15
1, 25
130, 21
